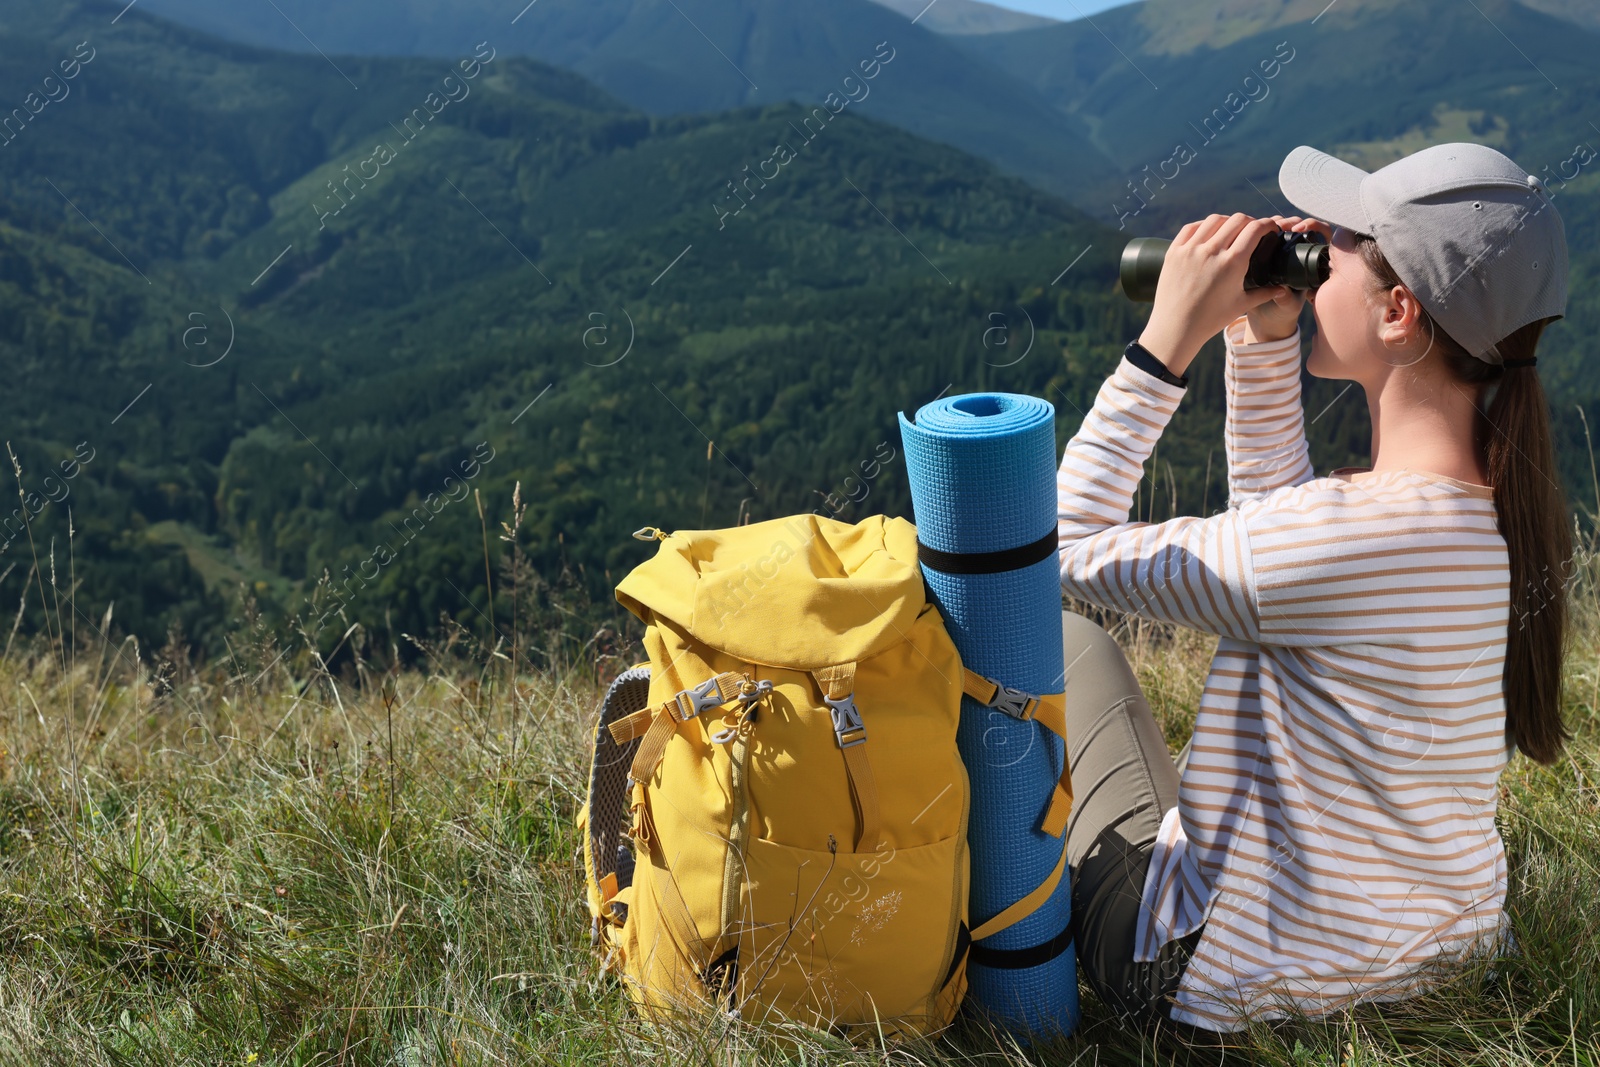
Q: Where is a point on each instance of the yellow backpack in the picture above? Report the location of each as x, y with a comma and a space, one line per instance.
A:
777, 814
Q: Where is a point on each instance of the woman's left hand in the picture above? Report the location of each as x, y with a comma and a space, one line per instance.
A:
1201, 286
1279, 317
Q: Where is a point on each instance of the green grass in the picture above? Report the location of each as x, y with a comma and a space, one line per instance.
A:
257, 861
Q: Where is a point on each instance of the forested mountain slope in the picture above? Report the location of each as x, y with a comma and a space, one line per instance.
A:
263, 327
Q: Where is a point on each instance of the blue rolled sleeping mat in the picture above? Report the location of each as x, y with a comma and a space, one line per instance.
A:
982, 469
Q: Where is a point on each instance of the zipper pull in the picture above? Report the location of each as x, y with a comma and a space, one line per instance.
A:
648, 533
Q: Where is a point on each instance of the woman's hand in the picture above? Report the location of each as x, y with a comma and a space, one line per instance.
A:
1201, 286
1279, 317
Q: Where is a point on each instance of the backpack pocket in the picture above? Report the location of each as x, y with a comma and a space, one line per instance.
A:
843, 937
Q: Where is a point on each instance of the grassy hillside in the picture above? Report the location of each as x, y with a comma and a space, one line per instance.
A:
264, 863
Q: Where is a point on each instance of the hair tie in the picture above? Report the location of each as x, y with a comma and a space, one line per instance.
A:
1530, 361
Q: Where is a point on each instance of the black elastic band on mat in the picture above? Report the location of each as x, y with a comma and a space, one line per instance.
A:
1016, 959
963, 943
1009, 559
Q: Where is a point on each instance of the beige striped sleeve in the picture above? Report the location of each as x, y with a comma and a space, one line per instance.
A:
1265, 426
1189, 571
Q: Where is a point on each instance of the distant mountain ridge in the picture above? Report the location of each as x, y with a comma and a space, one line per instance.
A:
1180, 27
1585, 13
966, 16
1266, 76
693, 56
1079, 108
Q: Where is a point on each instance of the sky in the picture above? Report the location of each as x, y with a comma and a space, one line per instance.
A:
1065, 10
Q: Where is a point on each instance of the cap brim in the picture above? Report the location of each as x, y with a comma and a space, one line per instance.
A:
1324, 187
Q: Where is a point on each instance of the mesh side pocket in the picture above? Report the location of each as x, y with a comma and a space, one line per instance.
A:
608, 781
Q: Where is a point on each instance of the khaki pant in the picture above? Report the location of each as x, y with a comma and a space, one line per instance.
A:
1123, 782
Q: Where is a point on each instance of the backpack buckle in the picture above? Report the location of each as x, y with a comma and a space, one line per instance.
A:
848, 728
1014, 702
703, 697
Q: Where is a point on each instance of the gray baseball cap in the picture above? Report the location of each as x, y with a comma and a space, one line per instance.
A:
1473, 235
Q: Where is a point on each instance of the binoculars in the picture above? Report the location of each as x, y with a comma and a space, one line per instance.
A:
1298, 260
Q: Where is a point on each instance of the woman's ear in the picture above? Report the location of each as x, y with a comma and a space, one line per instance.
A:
1402, 330
1401, 315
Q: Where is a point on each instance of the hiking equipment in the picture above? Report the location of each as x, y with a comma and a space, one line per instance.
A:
798, 803
982, 470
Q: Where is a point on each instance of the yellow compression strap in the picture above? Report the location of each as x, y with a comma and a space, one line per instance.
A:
1027, 905
838, 685
628, 727
1049, 711
659, 723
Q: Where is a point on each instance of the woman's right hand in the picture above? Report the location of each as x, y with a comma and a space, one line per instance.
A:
1201, 289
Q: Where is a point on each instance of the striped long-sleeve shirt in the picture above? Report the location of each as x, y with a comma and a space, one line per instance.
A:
1335, 821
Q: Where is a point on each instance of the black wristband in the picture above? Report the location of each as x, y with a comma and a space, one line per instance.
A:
1141, 357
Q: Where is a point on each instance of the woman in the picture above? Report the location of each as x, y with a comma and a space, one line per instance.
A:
1386, 635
